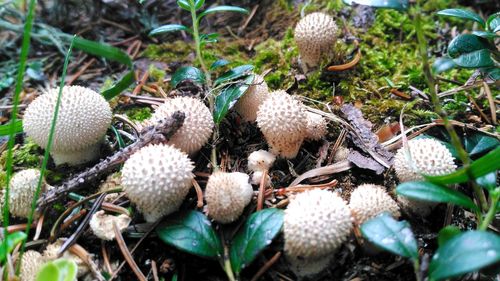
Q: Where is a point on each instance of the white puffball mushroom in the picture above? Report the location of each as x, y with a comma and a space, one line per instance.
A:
101, 224
156, 179
428, 157
227, 195
282, 120
50, 254
249, 103
369, 200
83, 119
22, 191
260, 160
31, 263
317, 126
315, 34
197, 127
257, 177
316, 223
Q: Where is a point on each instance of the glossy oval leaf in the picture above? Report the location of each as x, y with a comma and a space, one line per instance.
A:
191, 232
184, 4
67, 269
466, 43
391, 235
5, 129
493, 22
427, 191
443, 64
466, 252
169, 28
463, 14
48, 272
234, 73
485, 34
222, 9
219, 63
8, 245
228, 97
385, 4
492, 73
446, 233
257, 233
188, 73
480, 167
480, 143
198, 4
476, 59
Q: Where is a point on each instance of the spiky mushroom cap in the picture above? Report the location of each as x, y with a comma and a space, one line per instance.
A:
316, 224
83, 119
249, 103
227, 194
316, 126
197, 127
282, 120
156, 179
22, 191
428, 157
314, 35
102, 224
51, 253
31, 263
369, 200
260, 160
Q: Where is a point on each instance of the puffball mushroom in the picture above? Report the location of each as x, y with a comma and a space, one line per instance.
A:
316, 126
315, 35
31, 262
316, 224
197, 127
249, 103
259, 162
83, 119
282, 120
226, 195
156, 179
102, 224
22, 191
428, 157
51, 253
369, 200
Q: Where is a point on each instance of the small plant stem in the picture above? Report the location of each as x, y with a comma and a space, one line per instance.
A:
228, 270
488, 218
455, 140
416, 268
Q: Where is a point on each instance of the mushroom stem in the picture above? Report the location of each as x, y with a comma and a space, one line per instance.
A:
78, 156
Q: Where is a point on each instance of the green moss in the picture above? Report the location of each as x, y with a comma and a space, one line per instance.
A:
177, 51
138, 113
27, 155
156, 74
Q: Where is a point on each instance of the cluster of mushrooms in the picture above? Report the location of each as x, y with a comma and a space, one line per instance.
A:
157, 178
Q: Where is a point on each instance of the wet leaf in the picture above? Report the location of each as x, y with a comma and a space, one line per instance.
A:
7, 245
427, 191
463, 14
466, 43
391, 235
188, 73
446, 233
222, 9
466, 252
234, 73
480, 143
169, 28
387, 4
481, 58
229, 96
443, 64
257, 233
191, 232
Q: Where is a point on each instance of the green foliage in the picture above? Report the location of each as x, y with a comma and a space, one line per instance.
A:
8, 245
385, 4
446, 233
190, 73
139, 113
229, 95
58, 270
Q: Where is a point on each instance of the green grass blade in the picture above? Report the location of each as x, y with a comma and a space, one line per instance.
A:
17, 128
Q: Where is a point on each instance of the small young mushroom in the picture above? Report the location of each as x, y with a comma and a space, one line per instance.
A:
316, 224
315, 35
282, 120
102, 224
83, 119
258, 162
31, 262
52, 251
197, 127
249, 103
428, 157
156, 179
369, 200
316, 126
227, 195
22, 191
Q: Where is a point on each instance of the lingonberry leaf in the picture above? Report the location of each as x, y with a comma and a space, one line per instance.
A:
188, 73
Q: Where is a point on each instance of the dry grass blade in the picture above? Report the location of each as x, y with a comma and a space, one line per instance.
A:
127, 255
330, 169
260, 197
266, 266
491, 102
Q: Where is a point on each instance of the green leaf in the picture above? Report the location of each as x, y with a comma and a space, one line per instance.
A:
188, 73
391, 235
463, 14
219, 63
489, 181
385, 4
198, 4
466, 43
493, 22
234, 73
257, 233
228, 97
492, 73
466, 252
481, 58
184, 4
222, 9
209, 38
485, 34
18, 128
191, 232
443, 64
480, 143
48, 272
446, 233
8, 245
58, 270
427, 191
482, 166
169, 28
